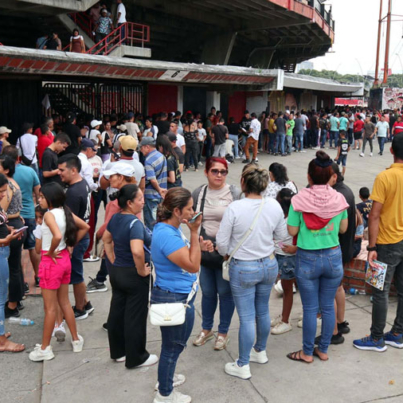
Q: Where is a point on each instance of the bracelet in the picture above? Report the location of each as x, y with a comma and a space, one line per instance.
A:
371, 249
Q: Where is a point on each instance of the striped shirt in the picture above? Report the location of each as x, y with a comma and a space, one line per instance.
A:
156, 168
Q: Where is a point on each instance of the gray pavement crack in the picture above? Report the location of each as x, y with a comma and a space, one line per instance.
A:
382, 398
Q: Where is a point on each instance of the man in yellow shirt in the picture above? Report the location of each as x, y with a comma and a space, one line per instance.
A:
272, 132
386, 245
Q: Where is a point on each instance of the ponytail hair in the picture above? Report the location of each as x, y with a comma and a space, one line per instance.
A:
125, 194
175, 198
55, 197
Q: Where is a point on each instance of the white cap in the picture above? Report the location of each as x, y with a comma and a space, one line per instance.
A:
95, 123
4, 129
120, 168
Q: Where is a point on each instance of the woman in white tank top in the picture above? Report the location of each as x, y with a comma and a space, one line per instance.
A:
60, 229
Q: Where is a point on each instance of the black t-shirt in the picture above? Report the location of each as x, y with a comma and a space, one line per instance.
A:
163, 127
173, 165
50, 163
245, 124
365, 208
74, 133
105, 147
219, 132
314, 123
347, 239
280, 123
343, 144
190, 136
78, 199
233, 128
180, 155
52, 44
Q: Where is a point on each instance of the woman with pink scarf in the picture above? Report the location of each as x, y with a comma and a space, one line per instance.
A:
317, 215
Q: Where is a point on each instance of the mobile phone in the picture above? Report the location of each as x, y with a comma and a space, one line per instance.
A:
193, 219
22, 229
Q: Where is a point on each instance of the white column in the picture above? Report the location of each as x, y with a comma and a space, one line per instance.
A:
213, 98
180, 99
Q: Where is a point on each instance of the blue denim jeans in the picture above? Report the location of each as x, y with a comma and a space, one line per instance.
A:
381, 142
334, 136
272, 140
289, 144
318, 274
323, 137
174, 339
77, 264
234, 138
4, 274
280, 138
150, 212
299, 141
251, 283
212, 284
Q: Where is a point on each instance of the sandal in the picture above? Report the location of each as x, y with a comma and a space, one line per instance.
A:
296, 356
12, 347
316, 354
7, 335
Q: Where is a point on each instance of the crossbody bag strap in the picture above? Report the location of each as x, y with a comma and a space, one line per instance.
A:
248, 232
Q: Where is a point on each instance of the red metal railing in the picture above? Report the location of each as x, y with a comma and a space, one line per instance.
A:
84, 22
129, 33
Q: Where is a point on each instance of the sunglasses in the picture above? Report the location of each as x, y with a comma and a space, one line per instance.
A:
222, 172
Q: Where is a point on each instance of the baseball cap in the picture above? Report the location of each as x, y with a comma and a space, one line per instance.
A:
147, 141
172, 137
122, 128
130, 115
128, 143
87, 143
95, 123
4, 129
120, 168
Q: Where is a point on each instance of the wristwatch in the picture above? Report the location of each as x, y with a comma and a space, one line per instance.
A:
371, 249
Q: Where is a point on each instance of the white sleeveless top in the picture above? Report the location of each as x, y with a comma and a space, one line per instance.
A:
47, 236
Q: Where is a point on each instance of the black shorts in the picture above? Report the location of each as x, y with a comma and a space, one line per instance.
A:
358, 136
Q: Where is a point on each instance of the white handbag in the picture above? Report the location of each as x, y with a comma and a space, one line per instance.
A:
172, 313
225, 264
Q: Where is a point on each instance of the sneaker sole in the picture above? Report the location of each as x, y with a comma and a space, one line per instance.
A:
82, 317
90, 311
377, 349
204, 342
97, 290
394, 344
277, 333
60, 336
43, 358
259, 362
236, 375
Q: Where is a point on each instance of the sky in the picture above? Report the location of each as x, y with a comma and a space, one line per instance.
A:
356, 36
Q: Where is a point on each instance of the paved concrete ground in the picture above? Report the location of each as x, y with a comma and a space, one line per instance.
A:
350, 376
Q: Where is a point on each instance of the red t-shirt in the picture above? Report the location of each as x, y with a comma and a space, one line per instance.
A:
398, 126
44, 141
358, 126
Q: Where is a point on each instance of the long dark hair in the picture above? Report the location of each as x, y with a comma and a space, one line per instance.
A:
320, 169
279, 172
125, 194
167, 150
284, 197
8, 163
3, 180
55, 197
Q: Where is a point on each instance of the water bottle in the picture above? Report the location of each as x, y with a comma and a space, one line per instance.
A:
22, 321
353, 291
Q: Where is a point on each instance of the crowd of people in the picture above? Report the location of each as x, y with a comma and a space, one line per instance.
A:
55, 179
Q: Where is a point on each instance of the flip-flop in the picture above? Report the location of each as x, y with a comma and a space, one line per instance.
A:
316, 354
296, 356
7, 335
11, 347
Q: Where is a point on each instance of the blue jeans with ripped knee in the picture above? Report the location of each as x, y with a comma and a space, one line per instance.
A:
174, 338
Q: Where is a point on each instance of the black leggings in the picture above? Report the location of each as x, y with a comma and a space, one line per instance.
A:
127, 321
192, 148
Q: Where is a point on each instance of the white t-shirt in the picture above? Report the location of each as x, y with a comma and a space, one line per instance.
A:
305, 119
155, 128
93, 135
47, 236
76, 37
132, 129
201, 134
273, 188
382, 129
255, 126
236, 221
29, 143
87, 172
122, 11
180, 140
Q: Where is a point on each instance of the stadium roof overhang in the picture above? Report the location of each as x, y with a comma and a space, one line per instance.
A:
55, 63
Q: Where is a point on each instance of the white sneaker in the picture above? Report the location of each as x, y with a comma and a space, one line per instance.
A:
238, 158
179, 380
276, 320
281, 328
370, 154
318, 322
362, 155
278, 287
78, 344
256, 160
152, 359
174, 397
259, 357
121, 359
59, 332
233, 369
41, 355
91, 259
294, 288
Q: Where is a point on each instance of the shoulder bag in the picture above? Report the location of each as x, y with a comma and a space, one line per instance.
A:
225, 265
26, 161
